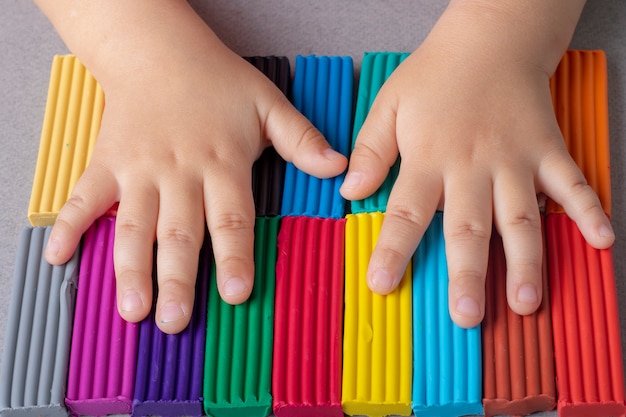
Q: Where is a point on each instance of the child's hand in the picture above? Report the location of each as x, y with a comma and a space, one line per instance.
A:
472, 118
177, 142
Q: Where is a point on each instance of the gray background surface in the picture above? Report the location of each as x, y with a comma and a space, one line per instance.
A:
270, 27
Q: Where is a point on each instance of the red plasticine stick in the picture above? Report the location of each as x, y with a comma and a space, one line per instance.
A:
104, 346
585, 322
518, 369
306, 377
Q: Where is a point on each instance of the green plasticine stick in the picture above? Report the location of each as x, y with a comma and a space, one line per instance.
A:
238, 358
376, 67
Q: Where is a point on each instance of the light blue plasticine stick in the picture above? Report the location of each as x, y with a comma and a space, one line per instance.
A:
447, 373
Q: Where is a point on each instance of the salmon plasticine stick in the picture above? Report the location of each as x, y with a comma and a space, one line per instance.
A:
103, 354
518, 356
33, 375
306, 377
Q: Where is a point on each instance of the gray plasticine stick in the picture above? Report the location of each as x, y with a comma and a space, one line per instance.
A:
36, 352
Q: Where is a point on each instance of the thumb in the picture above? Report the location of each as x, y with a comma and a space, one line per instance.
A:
299, 142
375, 151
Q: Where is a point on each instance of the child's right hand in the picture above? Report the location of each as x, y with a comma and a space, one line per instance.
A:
185, 119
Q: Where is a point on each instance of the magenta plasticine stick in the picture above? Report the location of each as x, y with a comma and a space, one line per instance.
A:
101, 344
104, 346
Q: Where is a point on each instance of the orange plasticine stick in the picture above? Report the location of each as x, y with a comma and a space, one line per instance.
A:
580, 99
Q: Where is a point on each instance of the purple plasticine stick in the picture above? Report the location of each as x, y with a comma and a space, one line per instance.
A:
169, 367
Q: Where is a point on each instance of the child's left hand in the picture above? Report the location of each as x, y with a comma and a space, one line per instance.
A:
478, 137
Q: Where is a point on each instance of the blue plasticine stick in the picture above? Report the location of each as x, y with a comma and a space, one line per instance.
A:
322, 91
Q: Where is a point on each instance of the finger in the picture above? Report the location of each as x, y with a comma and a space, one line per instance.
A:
230, 219
375, 151
94, 193
467, 223
561, 179
180, 233
133, 250
518, 221
412, 204
298, 141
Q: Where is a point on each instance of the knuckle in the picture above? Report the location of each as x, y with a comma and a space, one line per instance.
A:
366, 151
468, 231
174, 284
465, 278
127, 273
226, 260
398, 244
232, 222
592, 209
129, 227
580, 189
77, 203
406, 218
527, 266
74, 213
177, 235
585, 195
393, 259
63, 222
526, 220
309, 135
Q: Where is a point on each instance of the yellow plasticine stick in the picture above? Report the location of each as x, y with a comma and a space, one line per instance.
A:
37, 193
96, 118
70, 128
377, 366
65, 143
88, 126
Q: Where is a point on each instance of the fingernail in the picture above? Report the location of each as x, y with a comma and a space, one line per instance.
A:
527, 294
606, 231
171, 312
381, 281
331, 154
131, 301
352, 180
468, 307
234, 286
53, 248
